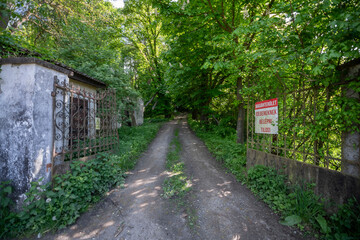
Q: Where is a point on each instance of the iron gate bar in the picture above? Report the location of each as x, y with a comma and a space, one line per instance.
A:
74, 122
301, 108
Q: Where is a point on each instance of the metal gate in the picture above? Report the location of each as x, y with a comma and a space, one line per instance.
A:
85, 123
298, 137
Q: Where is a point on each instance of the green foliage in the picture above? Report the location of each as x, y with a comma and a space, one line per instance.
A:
54, 207
300, 206
270, 187
144, 44
7, 218
306, 204
297, 203
291, 220
261, 49
323, 224
81, 34
177, 184
345, 224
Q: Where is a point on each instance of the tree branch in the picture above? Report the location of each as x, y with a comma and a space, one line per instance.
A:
151, 99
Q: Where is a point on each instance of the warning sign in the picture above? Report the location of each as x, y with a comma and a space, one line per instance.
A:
266, 116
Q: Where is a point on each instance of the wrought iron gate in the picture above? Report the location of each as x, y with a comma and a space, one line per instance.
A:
85, 123
297, 137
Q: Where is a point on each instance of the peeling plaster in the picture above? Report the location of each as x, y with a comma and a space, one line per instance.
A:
26, 125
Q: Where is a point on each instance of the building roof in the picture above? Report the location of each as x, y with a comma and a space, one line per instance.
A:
72, 73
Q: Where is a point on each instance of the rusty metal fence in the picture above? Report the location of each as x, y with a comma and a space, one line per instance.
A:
304, 131
85, 122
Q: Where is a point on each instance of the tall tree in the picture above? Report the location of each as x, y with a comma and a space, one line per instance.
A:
143, 36
81, 34
229, 17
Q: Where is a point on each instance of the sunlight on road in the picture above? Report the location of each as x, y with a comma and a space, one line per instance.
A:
236, 237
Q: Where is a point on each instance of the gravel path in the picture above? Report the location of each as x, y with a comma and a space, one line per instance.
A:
221, 207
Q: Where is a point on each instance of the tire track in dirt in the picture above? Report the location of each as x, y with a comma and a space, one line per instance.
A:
136, 212
225, 208
222, 207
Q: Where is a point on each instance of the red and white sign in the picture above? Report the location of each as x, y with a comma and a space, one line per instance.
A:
266, 116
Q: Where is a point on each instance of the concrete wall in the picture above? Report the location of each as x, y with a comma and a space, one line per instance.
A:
26, 126
329, 184
86, 87
138, 114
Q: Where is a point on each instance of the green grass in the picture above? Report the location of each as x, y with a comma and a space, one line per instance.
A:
177, 185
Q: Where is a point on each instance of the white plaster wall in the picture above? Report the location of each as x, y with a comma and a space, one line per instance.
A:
16, 124
43, 121
26, 124
83, 86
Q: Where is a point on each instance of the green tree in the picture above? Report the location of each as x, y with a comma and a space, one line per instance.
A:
142, 31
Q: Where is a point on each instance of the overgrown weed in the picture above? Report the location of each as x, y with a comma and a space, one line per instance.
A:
177, 185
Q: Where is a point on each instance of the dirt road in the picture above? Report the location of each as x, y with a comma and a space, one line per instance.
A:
220, 207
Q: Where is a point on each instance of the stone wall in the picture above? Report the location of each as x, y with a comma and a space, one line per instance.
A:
137, 117
329, 184
26, 124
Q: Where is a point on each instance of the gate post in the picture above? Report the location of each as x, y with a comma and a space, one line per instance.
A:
350, 144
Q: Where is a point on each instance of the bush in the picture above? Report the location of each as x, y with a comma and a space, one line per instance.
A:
299, 205
345, 224
270, 187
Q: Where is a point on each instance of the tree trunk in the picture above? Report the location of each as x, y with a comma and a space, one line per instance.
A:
195, 115
204, 116
240, 123
4, 19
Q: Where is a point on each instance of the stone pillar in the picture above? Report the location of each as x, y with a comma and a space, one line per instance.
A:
137, 117
350, 146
